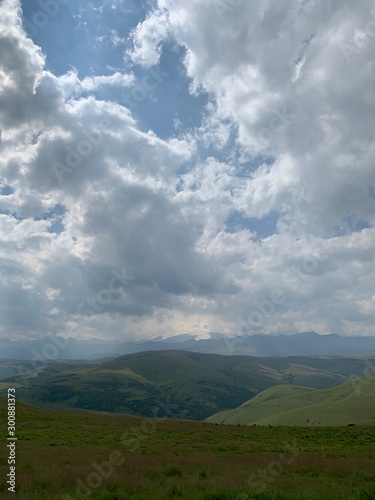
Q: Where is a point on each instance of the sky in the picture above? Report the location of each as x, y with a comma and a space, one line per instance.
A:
174, 167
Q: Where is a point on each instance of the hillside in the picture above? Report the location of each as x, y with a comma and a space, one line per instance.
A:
291, 405
195, 385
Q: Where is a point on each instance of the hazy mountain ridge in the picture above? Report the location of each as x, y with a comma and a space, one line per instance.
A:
299, 344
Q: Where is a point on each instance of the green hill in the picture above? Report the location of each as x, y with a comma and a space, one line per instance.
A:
197, 385
348, 403
192, 385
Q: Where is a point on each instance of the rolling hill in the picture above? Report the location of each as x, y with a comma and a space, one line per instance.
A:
350, 403
194, 385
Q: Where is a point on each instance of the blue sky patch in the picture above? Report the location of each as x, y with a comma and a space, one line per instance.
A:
264, 227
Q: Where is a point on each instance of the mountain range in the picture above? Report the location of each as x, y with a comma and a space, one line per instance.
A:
298, 344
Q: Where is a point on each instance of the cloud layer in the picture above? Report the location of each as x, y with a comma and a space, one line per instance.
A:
108, 230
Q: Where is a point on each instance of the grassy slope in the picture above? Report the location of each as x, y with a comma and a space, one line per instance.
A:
289, 405
57, 452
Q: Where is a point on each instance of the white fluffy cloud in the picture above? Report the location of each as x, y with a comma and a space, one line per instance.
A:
296, 80
108, 230
300, 90
148, 38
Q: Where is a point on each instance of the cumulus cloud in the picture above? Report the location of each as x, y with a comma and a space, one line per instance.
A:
109, 230
148, 38
280, 72
296, 82
116, 208
71, 84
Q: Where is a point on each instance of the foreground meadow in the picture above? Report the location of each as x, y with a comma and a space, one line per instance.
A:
75, 455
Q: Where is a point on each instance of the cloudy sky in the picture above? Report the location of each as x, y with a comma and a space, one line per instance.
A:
170, 166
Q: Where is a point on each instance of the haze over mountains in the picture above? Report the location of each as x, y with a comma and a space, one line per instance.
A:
299, 344
198, 377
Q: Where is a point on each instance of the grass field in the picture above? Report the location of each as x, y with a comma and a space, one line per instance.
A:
67, 455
